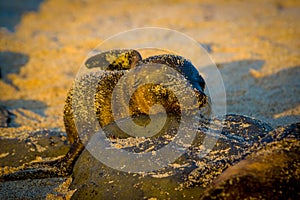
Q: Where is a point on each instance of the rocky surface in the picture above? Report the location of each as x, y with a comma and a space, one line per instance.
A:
185, 178
5, 117
272, 172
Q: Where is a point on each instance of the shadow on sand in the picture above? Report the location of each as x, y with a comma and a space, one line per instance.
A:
263, 97
11, 11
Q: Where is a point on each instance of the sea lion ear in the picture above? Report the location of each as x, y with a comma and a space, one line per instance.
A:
114, 59
134, 57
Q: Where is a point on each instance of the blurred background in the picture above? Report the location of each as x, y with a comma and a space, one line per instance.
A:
12, 11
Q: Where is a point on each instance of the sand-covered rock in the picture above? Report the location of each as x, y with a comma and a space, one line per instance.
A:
273, 172
185, 178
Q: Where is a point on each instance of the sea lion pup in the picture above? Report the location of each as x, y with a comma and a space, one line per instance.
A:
115, 63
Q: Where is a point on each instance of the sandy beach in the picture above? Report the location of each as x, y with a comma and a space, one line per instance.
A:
255, 45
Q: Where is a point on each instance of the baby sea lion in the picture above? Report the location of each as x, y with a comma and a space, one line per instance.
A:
187, 177
115, 64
